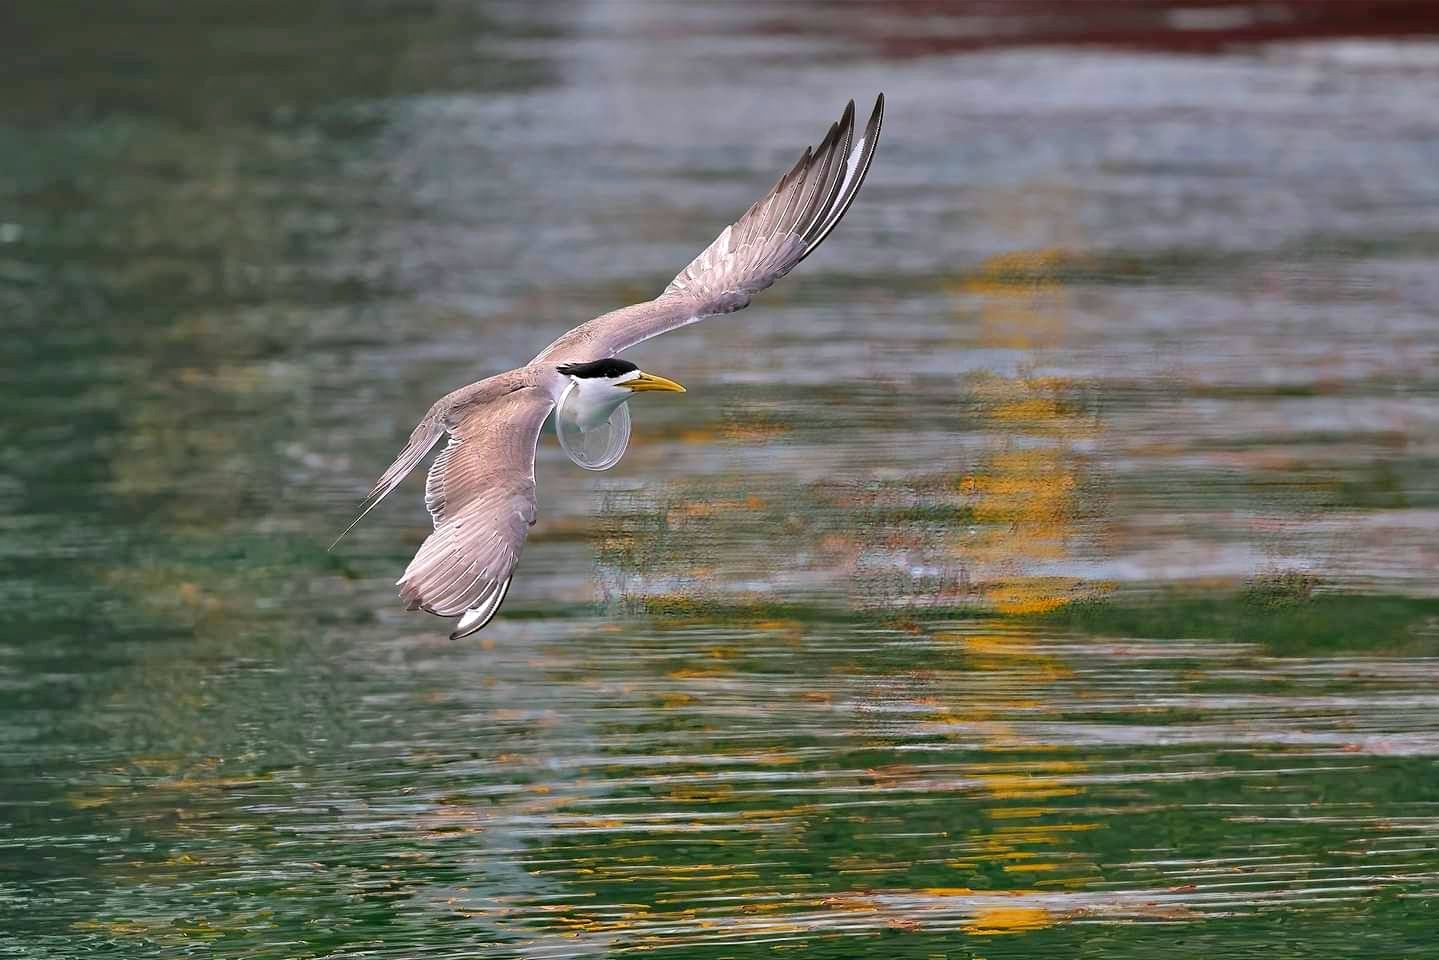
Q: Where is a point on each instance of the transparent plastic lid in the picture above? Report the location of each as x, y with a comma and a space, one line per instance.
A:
597, 448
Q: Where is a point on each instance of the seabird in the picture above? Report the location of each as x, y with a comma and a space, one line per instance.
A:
481, 487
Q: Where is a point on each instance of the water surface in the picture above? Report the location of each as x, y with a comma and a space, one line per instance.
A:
1048, 566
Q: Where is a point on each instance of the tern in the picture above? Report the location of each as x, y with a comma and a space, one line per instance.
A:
481, 487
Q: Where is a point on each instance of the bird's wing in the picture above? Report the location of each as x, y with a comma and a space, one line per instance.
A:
766, 243
427, 433
481, 494
422, 439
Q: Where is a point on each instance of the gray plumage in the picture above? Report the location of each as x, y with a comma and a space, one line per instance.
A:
481, 487
766, 243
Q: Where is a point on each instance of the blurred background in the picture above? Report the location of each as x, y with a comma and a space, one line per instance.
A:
1049, 566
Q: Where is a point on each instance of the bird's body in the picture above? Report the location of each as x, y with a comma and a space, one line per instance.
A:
481, 487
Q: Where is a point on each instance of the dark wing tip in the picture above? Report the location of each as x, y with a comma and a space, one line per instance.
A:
846, 191
484, 613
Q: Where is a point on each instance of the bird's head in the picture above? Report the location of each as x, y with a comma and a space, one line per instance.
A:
602, 385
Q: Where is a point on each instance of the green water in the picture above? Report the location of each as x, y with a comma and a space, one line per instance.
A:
1047, 568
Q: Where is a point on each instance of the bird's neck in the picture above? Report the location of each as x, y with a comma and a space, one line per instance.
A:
593, 402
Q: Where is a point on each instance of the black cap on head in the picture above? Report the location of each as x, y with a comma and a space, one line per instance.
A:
608, 368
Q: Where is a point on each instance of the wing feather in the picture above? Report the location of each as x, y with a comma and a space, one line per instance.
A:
481, 495
773, 236
422, 440
428, 433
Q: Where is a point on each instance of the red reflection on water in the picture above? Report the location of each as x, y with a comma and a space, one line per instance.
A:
921, 27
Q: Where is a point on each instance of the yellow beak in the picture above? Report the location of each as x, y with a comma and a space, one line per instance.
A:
648, 381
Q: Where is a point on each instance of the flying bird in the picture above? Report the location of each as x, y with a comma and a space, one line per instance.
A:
481, 487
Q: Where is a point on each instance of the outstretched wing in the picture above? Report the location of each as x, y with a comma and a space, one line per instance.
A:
766, 243
481, 494
422, 439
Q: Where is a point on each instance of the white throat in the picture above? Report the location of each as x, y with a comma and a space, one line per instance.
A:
595, 398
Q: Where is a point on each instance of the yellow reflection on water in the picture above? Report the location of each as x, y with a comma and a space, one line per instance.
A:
1001, 920
1026, 498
